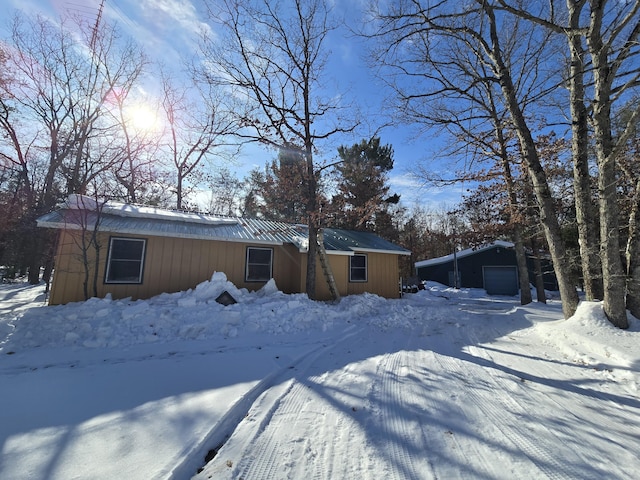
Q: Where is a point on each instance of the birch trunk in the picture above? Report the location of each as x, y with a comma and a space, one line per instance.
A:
633, 256
612, 271
584, 203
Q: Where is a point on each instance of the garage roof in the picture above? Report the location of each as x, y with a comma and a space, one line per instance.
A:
463, 253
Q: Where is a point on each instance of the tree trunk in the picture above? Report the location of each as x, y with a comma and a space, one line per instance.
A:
537, 268
523, 270
34, 269
633, 256
613, 275
612, 271
585, 206
34, 251
179, 192
96, 266
521, 258
48, 270
313, 220
548, 217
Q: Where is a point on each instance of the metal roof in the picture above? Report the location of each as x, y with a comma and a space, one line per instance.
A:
135, 220
463, 253
242, 230
354, 241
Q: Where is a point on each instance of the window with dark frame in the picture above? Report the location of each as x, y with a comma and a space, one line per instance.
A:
259, 267
358, 268
125, 260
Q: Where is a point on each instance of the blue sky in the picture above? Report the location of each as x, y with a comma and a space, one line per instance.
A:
167, 30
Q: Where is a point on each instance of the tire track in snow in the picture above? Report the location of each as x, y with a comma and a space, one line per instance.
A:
571, 425
346, 455
398, 430
277, 451
577, 415
311, 417
426, 414
256, 431
506, 414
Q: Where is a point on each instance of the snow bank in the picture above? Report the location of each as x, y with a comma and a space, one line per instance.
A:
195, 315
190, 315
589, 338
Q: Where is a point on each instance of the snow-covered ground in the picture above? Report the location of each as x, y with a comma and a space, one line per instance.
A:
440, 384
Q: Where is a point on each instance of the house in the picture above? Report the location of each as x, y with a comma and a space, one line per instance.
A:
144, 251
492, 267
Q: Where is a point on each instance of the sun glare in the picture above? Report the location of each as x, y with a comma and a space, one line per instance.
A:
143, 118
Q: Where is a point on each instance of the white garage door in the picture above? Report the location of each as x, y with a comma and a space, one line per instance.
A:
501, 280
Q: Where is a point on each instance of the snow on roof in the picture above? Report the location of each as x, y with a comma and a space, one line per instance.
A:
463, 253
82, 202
122, 218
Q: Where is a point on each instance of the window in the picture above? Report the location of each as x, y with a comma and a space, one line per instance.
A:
358, 268
125, 260
259, 264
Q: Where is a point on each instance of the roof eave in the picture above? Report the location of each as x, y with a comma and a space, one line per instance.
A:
377, 250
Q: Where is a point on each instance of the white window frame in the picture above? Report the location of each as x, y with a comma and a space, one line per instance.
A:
110, 259
248, 264
365, 268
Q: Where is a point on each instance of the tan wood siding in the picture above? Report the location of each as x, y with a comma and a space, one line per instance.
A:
382, 276
65, 281
338, 264
170, 265
287, 265
173, 264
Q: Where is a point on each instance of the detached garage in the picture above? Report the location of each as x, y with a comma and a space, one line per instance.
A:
492, 267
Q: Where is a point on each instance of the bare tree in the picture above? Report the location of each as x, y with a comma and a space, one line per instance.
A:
609, 56
271, 57
584, 202
419, 38
137, 170
629, 184
197, 126
603, 43
226, 193
82, 222
632, 252
62, 76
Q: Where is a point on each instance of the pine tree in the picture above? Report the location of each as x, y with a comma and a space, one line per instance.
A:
362, 200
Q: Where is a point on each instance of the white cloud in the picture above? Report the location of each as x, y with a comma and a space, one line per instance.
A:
182, 12
169, 30
415, 191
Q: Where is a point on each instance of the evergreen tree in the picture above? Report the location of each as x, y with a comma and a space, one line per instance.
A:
362, 200
281, 192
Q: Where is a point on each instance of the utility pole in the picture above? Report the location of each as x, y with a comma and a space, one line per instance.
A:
94, 34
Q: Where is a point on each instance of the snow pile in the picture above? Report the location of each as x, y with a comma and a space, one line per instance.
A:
189, 315
590, 339
196, 315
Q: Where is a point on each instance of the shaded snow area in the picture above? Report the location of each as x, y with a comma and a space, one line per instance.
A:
439, 384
